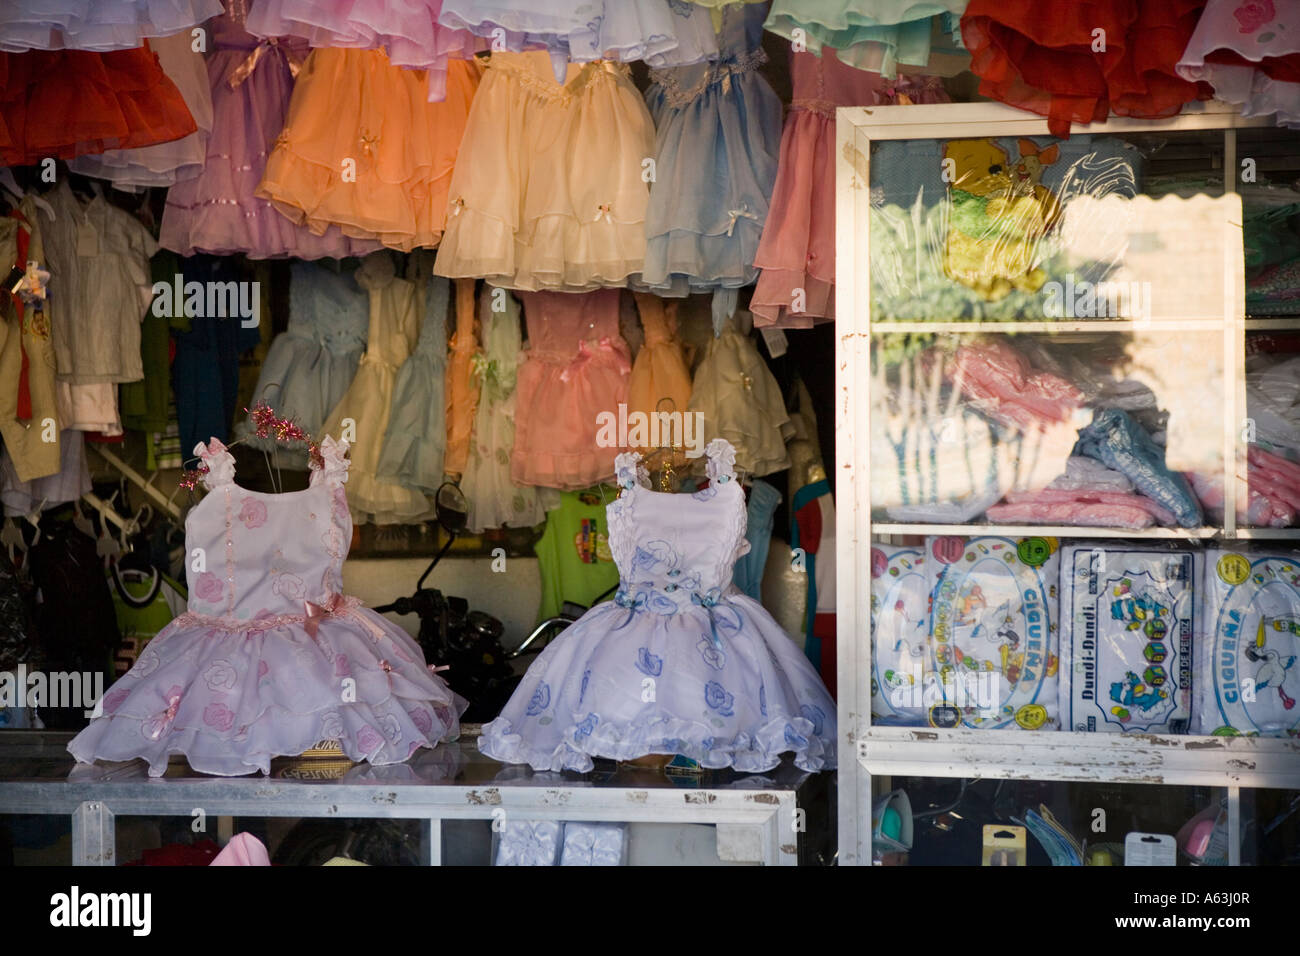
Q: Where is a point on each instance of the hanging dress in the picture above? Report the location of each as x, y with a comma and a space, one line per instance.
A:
876, 35
660, 382
574, 377
310, 365
166, 163
726, 686
416, 440
368, 402
1042, 56
408, 32
796, 255
741, 402
218, 211
271, 657
723, 118
495, 501
363, 149
1250, 54
462, 385
66, 103
548, 191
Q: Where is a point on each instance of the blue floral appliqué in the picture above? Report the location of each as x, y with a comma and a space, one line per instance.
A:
816, 716
586, 726
582, 691
540, 700
704, 494
648, 663
717, 697
795, 739
762, 699
715, 657
681, 8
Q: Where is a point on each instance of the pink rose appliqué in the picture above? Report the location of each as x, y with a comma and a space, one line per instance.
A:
368, 740
288, 585
219, 716
262, 669
423, 720
113, 700
341, 666
253, 513
208, 587
1253, 14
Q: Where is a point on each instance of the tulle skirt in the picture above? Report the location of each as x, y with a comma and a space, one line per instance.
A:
230, 697
622, 684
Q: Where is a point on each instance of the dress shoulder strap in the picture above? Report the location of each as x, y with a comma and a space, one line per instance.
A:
722, 461
219, 464
630, 470
333, 466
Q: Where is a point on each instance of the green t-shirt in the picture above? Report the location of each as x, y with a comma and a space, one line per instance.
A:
573, 553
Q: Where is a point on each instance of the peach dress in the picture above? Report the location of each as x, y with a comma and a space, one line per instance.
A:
660, 380
364, 149
462, 383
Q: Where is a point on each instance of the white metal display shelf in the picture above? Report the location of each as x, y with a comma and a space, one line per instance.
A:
1082, 757
867, 750
755, 815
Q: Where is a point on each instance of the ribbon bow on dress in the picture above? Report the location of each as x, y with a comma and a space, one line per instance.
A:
336, 604
245, 69
586, 354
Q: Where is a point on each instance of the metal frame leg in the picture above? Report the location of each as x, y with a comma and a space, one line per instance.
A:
94, 835
431, 842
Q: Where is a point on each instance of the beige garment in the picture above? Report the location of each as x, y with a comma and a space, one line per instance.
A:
660, 384
34, 444
462, 383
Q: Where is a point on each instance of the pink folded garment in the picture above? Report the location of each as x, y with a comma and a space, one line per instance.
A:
1272, 486
998, 381
1087, 509
244, 849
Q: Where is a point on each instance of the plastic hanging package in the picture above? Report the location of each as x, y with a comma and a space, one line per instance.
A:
1129, 619
903, 678
995, 631
1247, 678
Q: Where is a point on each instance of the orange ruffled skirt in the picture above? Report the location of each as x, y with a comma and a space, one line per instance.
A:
66, 103
364, 149
1075, 61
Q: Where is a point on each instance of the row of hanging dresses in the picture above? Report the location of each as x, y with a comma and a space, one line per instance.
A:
365, 151
879, 36
796, 256
164, 164
702, 230
218, 212
661, 32
310, 365
548, 189
394, 329
408, 32
98, 25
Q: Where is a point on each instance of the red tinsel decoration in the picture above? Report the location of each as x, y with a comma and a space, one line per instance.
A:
266, 424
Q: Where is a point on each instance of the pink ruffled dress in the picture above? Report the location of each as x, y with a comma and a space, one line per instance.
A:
796, 287
576, 367
271, 657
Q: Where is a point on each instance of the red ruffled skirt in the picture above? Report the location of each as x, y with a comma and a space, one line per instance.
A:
1075, 61
66, 103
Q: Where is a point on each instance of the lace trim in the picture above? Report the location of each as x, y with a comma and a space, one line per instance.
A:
824, 108
566, 94
675, 95
347, 606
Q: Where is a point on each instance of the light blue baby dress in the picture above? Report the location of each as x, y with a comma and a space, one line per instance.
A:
311, 364
680, 662
416, 440
717, 142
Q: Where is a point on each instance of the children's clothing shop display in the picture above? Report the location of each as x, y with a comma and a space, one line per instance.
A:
730, 688
253, 669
